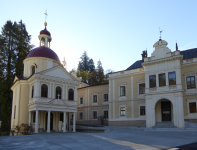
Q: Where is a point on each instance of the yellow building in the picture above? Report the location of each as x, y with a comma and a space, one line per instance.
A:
159, 88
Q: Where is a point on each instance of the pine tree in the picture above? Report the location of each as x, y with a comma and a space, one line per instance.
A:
100, 73
84, 63
91, 65
14, 46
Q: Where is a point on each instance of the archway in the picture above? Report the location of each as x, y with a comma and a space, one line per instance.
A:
163, 111
51, 121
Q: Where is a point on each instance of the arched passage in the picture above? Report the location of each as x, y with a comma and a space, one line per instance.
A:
163, 111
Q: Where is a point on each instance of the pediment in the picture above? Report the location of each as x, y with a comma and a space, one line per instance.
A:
58, 72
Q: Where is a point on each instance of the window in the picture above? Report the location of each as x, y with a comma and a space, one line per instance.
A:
105, 97
122, 111
142, 88
142, 110
191, 82
192, 107
172, 78
44, 90
33, 69
70, 94
122, 91
42, 41
152, 81
94, 114
94, 98
32, 92
162, 79
58, 92
105, 114
80, 115
81, 100
34, 116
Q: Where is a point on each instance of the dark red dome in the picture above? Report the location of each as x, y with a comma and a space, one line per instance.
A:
45, 31
43, 52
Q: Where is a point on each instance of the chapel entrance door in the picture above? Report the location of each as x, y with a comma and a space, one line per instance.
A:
51, 121
166, 111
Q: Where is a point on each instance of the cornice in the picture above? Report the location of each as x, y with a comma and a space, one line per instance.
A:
162, 60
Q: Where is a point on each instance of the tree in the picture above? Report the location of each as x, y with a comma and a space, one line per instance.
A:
14, 46
91, 65
84, 63
100, 73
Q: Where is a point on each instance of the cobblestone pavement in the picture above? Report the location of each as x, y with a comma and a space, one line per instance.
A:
120, 138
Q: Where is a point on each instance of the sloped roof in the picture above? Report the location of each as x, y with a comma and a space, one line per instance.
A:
137, 64
190, 53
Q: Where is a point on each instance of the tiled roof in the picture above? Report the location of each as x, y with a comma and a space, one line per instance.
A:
190, 53
137, 64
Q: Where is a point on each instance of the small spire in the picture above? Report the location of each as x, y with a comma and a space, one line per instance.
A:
177, 47
45, 24
160, 34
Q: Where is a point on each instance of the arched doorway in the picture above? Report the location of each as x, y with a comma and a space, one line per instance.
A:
163, 111
51, 121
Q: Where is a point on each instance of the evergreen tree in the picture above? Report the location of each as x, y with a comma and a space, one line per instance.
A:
13, 50
100, 73
91, 65
84, 63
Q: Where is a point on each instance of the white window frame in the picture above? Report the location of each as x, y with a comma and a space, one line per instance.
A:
94, 103
191, 115
120, 106
192, 90
31, 69
141, 116
96, 114
141, 96
80, 100
122, 97
79, 115
108, 113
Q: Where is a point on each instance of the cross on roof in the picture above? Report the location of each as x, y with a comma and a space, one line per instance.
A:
46, 15
160, 33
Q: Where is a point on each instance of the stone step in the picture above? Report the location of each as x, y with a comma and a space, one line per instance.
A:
164, 125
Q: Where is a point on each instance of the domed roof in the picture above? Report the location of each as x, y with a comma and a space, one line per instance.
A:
46, 32
43, 52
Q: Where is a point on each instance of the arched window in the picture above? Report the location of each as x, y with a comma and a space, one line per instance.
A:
70, 94
32, 92
42, 41
44, 90
33, 69
58, 92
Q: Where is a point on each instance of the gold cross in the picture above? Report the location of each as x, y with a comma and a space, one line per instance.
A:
46, 15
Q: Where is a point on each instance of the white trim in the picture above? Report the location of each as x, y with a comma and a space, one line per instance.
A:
108, 112
94, 103
96, 114
120, 106
141, 116
191, 115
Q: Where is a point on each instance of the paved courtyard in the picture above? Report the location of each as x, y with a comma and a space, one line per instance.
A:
121, 138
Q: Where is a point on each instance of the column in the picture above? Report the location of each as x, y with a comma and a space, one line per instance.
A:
167, 79
109, 95
113, 100
29, 117
75, 95
50, 90
63, 91
64, 129
157, 80
132, 104
48, 122
146, 83
36, 123
178, 78
74, 123
53, 91
66, 93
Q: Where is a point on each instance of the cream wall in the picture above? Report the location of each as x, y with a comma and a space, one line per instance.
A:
88, 106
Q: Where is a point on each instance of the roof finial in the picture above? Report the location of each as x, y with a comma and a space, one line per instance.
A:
160, 33
45, 24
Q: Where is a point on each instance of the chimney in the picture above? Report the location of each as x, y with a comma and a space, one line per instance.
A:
144, 54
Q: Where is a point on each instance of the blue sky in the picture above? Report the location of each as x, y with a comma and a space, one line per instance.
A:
114, 31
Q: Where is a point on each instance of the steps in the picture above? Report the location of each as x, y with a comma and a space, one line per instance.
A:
167, 124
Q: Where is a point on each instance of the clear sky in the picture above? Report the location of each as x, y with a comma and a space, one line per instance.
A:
114, 31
